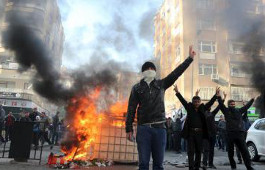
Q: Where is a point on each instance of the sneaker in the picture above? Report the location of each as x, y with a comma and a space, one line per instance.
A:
239, 162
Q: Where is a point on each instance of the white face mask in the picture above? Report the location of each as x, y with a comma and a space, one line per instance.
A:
149, 74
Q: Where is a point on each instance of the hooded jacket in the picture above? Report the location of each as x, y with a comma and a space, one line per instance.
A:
148, 101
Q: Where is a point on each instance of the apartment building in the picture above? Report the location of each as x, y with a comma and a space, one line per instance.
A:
219, 58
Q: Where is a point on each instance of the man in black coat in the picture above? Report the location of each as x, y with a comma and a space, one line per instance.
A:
34, 114
208, 144
235, 131
195, 127
147, 97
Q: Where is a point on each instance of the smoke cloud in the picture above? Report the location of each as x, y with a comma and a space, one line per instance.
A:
244, 20
30, 53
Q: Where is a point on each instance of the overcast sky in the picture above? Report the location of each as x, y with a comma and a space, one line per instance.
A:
120, 30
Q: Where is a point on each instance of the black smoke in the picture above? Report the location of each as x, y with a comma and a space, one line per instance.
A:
245, 23
31, 54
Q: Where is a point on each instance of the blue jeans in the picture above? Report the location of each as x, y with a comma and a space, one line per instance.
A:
151, 140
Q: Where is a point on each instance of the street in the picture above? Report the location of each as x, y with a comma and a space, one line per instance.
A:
220, 161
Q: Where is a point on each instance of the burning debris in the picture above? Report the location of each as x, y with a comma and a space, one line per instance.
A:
58, 162
89, 101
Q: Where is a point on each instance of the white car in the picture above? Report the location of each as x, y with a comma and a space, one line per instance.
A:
256, 139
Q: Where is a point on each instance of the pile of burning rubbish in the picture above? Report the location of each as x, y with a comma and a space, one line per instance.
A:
59, 162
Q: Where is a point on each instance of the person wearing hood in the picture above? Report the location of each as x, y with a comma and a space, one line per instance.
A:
147, 98
235, 131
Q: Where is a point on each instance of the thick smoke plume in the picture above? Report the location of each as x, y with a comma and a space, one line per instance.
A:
246, 24
31, 53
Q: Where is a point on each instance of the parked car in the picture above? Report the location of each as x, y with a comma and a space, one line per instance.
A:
256, 139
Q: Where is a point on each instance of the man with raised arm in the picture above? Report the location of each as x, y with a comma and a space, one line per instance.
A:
195, 127
235, 131
147, 98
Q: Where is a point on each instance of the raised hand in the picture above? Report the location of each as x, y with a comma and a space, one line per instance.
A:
224, 95
192, 53
217, 91
176, 88
197, 92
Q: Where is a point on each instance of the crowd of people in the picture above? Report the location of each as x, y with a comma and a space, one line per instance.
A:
178, 144
195, 133
45, 128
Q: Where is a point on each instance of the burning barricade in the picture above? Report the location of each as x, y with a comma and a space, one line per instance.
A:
95, 137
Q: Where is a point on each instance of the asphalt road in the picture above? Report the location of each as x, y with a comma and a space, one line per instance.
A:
171, 158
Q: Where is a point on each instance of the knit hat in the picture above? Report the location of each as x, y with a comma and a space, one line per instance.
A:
147, 65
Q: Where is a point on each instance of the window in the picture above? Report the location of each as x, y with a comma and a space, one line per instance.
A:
207, 69
241, 93
205, 4
236, 48
206, 93
27, 86
206, 25
256, 9
236, 71
7, 84
260, 125
207, 46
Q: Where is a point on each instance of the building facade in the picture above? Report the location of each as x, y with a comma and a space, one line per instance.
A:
219, 58
42, 17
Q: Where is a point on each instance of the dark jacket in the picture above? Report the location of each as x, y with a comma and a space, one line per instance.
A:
33, 116
25, 119
233, 116
9, 120
191, 110
149, 100
55, 122
222, 126
176, 126
210, 120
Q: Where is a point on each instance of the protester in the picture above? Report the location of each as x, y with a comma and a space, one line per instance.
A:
169, 134
2, 121
195, 128
176, 128
246, 126
147, 97
36, 132
183, 140
55, 125
44, 124
9, 125
222, 133
34, 114
61, 129
235, 131
208, 144
25, 117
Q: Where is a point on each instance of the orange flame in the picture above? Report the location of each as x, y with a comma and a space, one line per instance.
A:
84, 125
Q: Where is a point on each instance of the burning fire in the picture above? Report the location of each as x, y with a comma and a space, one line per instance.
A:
85, 120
